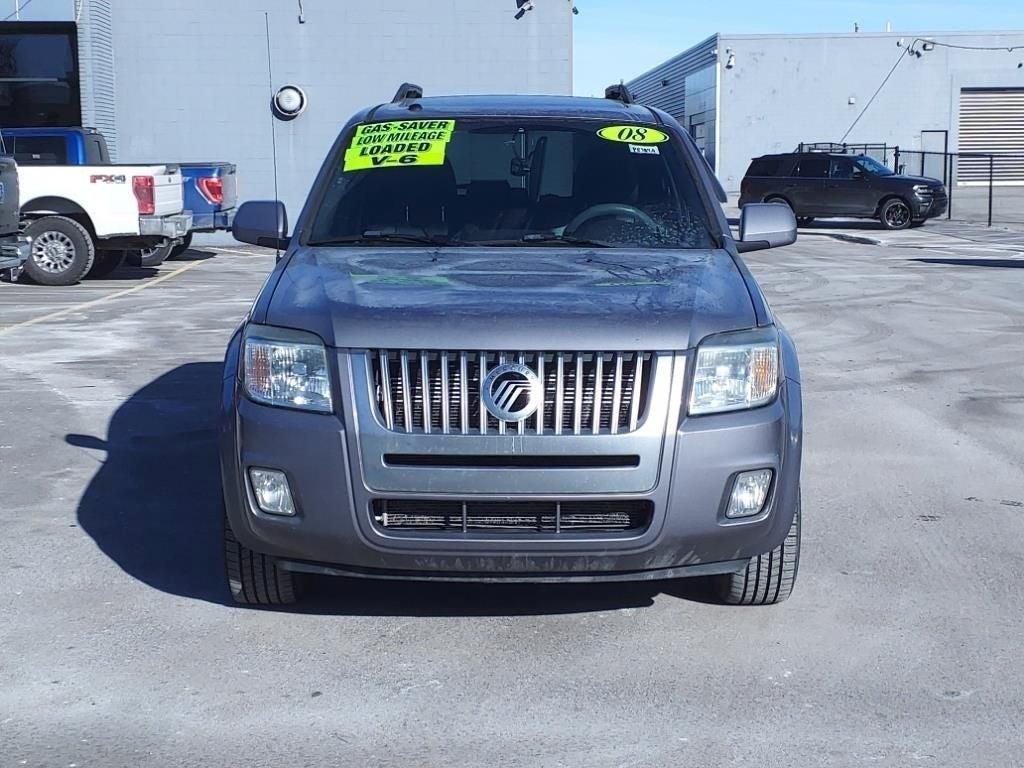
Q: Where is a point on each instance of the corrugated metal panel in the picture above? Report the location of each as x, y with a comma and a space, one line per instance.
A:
665, 86
992, 121
96, 61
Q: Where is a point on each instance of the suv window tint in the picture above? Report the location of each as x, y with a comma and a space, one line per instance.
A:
39, 150
502, 179
765, 166
843, 168
813, 167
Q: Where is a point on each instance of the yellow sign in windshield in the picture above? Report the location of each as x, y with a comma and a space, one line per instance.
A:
398, 144
633, 134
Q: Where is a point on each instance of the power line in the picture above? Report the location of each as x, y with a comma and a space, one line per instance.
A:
892, 71
18, 9
1008, 49
910, 49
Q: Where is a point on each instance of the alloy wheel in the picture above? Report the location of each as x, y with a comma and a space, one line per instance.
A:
53, 252
897, 215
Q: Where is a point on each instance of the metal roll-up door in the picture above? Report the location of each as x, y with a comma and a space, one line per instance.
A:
992, 122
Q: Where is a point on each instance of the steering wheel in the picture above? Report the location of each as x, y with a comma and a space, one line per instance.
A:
610, 209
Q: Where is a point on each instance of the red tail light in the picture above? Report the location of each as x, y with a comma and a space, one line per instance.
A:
212, 189
142, 186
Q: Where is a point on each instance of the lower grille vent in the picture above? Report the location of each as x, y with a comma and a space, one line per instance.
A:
616, 516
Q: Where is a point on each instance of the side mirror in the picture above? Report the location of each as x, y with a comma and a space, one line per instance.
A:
262, 222
766, 225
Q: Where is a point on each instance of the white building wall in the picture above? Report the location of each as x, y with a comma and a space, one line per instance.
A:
782, 90
192, 81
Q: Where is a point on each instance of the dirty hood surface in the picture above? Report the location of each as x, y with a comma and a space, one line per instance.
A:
511, 298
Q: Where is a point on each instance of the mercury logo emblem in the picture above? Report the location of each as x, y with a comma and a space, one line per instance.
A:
512, 392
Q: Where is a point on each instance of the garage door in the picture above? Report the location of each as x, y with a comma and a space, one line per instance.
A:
992, 121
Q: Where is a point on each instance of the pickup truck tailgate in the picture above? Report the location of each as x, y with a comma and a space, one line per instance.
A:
230, 188
168, 196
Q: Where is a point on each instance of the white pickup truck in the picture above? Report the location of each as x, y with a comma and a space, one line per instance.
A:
83, 219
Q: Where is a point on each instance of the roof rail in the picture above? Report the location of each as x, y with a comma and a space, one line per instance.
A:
619, 92
407, 91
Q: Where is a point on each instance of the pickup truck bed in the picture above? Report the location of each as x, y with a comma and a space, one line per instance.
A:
209, 188
82, 218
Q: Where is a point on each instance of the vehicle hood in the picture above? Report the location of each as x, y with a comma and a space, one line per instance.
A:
905, 179
511, 298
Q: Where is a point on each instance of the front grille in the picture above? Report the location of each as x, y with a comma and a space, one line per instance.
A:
584, 392
611, 516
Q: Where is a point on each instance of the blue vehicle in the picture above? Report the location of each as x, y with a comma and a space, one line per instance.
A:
210, 189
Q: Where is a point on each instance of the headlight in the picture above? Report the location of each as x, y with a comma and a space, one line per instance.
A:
922, 189
291, 374
735, 371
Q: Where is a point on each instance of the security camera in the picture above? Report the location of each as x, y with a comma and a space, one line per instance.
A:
523, 7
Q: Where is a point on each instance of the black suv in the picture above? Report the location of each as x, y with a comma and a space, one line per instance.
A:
818, 184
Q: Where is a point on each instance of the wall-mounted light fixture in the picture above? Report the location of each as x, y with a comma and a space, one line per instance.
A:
730, 59
289, 102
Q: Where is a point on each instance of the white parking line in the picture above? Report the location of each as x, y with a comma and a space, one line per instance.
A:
101, 300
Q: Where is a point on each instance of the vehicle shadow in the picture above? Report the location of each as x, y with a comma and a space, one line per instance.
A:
194, 254
981, 262
830, 224
154, 508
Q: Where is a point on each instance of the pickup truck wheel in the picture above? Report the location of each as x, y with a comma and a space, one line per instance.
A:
105, 263
150, 257
256, 579
62, 251
895, 214
768, 578
181, 247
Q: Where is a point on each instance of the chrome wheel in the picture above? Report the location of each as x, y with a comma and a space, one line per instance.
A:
53, 252
897, 215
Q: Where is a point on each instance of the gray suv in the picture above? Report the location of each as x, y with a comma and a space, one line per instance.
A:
511, 339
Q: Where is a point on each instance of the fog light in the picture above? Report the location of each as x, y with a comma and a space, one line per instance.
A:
270, 487
749, 493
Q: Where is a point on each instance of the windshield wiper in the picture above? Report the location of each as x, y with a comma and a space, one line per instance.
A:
540, 238
379, 236
551, 237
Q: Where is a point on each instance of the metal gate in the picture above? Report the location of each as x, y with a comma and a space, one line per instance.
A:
991, 122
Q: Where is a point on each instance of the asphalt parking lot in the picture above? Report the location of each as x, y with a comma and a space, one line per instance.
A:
900, 646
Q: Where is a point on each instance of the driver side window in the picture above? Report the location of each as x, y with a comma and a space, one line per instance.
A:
844, 169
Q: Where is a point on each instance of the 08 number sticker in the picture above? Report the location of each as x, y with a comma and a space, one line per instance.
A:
633, 134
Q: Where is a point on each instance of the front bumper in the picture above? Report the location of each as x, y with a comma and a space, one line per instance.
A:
930, 206
169, 227
335, 471
14, 251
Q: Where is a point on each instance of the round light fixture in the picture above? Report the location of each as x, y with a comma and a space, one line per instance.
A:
289, 102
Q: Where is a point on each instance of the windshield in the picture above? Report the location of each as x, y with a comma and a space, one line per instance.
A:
511, 182
871, 165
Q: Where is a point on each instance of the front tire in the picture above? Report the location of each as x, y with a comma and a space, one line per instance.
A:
62, 251
768, 578
253, 578
895, 214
